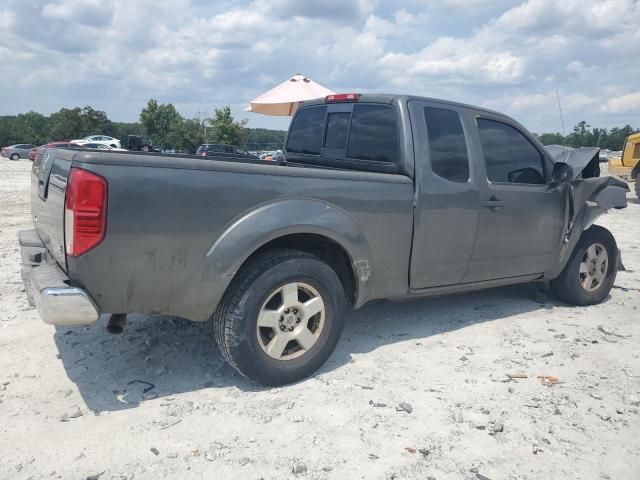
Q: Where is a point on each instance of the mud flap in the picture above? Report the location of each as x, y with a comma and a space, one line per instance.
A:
620, 265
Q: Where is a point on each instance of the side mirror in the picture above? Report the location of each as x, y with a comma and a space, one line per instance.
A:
561, 172
525, 175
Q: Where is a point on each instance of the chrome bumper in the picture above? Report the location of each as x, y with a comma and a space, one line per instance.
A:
48, 288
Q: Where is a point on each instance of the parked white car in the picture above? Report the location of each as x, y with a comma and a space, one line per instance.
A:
102, 146
101, 139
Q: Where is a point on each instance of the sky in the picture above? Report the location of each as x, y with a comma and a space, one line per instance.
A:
507, 55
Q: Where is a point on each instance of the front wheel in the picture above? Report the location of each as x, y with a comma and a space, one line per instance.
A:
637, 185
281, 318
15, 156
590, 272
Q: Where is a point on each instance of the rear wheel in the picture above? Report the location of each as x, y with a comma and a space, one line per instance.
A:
15, 156
281, 318
590, 272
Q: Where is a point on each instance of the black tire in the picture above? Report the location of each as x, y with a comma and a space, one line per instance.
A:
235, 320
113, 146
637, 185
15, 156
567, 286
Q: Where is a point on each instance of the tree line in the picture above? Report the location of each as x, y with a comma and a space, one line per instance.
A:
168, 129
583, 135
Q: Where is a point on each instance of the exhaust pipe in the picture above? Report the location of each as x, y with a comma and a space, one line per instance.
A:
117, 323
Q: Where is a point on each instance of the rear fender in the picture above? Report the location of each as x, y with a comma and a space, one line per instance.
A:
286, 217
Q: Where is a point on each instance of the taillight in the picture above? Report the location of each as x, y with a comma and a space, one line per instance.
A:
85, 211
342, 97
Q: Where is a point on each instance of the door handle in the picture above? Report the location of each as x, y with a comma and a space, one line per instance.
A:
493, 204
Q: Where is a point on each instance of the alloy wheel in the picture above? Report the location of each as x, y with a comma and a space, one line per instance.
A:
593, 267
291, 321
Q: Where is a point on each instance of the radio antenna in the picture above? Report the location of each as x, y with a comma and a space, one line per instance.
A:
561, 117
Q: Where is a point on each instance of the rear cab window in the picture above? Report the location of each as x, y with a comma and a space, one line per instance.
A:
358, 136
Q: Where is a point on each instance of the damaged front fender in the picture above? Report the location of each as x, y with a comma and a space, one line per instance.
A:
587, 194
594, 196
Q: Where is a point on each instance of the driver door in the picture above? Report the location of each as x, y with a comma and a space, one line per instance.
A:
521, 216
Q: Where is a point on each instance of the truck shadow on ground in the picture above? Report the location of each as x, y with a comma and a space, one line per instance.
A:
163, 356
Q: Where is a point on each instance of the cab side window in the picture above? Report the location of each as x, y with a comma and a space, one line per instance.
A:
509, 156
447, 145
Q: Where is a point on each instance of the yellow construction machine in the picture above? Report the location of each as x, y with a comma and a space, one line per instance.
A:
627, 165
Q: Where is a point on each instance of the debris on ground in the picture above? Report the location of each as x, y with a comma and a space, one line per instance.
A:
549, 379
403, 406
298, 468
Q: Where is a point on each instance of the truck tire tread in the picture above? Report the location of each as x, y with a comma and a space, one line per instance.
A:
229, 315
567, 286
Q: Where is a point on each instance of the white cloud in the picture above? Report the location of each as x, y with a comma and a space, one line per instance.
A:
575, 66
576, 17
115, 54
532, 102
623, 103
577, 101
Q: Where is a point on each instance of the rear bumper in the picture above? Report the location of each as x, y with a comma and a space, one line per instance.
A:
48, 287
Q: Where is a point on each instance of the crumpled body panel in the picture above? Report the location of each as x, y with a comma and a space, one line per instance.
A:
588, 195
585, 161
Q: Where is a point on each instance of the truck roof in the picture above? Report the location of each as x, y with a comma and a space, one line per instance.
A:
391, 97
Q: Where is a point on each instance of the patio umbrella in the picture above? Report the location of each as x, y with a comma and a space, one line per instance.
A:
283, 100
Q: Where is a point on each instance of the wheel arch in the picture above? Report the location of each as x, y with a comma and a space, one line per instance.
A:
307, 225
326, 249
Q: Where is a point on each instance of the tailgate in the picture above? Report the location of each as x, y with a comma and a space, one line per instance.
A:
48, 184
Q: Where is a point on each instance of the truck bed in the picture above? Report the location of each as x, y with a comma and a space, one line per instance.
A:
166, 214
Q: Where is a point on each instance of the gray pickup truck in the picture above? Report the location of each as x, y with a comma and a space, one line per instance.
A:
378, 196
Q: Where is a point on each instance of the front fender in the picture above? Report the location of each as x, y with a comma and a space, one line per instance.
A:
587, 199
292, 216
594, 196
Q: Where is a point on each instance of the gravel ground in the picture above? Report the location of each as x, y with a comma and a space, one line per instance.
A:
159, 402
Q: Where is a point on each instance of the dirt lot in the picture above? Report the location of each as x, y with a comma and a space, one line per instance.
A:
159, 402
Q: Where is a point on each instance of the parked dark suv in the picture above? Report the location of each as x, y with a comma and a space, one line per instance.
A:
213, 149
